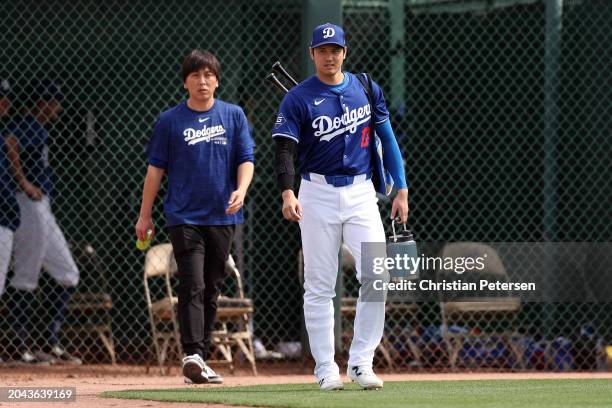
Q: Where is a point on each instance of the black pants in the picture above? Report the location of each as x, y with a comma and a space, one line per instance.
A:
200, 252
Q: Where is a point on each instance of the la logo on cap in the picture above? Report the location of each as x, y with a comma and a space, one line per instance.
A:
328, 32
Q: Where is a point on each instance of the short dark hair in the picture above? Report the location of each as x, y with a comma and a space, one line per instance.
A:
198, 59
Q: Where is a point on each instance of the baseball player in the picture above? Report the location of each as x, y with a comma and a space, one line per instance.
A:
39, 241
328, 120
204, 146
9, 209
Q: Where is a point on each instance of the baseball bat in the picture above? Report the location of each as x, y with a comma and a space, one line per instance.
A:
279, 69
272, 78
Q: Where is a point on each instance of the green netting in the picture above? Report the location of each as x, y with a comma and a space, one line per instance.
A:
503, 116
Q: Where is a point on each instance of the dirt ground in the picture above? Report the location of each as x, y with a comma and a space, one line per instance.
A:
90, 381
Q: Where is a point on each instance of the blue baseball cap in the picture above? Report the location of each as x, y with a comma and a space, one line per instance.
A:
327, 34
5, 88
48, 90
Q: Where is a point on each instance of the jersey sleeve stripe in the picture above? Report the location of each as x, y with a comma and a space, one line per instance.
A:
285, 135
378, 122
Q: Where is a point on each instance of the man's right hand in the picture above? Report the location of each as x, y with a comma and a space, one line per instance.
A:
292, 209
142, 226
35, 193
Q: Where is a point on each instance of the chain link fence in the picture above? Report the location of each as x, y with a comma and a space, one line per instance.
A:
501, 108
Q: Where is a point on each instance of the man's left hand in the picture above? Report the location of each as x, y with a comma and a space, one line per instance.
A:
400, 206
235, 202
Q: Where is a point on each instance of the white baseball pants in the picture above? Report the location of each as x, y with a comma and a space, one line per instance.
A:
332, 215
40, 243
6, 247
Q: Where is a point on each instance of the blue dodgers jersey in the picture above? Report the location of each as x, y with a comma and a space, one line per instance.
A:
9, 208
34, 153
201, 152
333, 127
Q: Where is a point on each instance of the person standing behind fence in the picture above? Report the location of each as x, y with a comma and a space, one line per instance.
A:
39, 241
9, 209
204, 146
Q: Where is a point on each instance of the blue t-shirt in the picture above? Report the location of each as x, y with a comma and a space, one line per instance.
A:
201, 152
332, 125
34, 153
9, 208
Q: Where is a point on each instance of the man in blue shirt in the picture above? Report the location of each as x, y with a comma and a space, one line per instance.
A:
330, 121
204, 146
39, 241
9, 209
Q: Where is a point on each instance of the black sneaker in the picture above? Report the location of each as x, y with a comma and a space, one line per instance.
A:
61, 356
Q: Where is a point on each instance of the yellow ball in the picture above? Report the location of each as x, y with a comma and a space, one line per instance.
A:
142, 245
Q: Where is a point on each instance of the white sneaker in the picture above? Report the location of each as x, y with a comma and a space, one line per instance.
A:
331, 383
61, 356
364, 376
213, 378
39, 358
193, 370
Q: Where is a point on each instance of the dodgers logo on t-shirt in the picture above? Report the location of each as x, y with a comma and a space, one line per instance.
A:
212, 134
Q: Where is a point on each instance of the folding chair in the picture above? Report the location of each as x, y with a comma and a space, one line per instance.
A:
490, 313
89, 310
159, 268
234, 312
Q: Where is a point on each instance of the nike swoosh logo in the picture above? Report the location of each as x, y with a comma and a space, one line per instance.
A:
202, 120
317, 103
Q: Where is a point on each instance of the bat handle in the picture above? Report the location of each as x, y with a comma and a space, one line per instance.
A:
278, 67
272, 78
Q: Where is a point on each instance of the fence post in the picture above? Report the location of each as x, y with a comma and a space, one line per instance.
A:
551, 141
318, 12
398, 69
